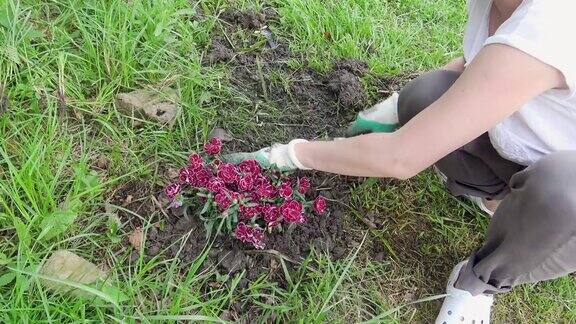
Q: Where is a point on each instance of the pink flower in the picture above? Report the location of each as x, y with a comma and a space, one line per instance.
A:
215, 185
320, 205
303, 185
252, 235
228, 172
225, 198
247, 213
292, 211
250, 166
195, 162
213, 147
265, 190
172, 190
246, 183
271, 213
222, 201
186, 176
254, 197
261, 179
285, 190
202, 177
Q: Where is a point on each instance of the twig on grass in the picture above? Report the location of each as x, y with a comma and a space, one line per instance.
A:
159, 205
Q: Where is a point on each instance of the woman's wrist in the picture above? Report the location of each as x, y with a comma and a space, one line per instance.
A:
302, 155
295, 152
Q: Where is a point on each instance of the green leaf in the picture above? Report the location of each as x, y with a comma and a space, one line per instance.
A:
4, 20
208, 226
113, 223
185, 12
207, 206
114, 293
56, 223
4, 259
229, 223
158, 30
22, 231
7, 278
34, 34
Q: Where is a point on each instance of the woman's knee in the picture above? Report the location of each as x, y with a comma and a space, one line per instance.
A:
423, 91
552, 181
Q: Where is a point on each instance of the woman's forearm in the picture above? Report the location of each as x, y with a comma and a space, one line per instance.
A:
371, 155
497, 83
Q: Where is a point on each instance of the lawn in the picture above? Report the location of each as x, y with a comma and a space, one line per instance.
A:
79, 173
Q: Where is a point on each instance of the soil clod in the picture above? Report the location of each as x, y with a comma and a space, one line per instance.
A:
220, 51
348, 88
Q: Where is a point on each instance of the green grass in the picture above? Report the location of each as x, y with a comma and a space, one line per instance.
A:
72, 57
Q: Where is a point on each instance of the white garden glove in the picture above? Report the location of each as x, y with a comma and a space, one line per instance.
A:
381, 118
281, 156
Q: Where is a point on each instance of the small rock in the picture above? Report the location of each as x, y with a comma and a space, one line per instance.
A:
172, 173
4, 102
227, 316
231, 261
213, 253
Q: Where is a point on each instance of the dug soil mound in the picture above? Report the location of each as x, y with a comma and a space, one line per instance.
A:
307, 104
291, 99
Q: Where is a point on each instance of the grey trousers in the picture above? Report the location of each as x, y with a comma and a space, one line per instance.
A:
532, 235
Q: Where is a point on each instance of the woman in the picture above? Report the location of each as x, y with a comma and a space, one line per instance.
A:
499, 125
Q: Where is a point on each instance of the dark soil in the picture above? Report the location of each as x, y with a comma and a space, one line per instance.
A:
305, 102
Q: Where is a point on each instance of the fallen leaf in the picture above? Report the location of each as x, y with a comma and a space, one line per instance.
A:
135, 238
66, 266
153, 105
328, 36
221, 134
128, 200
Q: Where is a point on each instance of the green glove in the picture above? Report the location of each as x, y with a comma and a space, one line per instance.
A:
382, 118
281, 156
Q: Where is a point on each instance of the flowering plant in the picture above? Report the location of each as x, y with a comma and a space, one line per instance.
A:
245, 198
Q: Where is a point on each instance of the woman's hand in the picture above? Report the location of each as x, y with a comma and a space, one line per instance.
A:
281, 156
